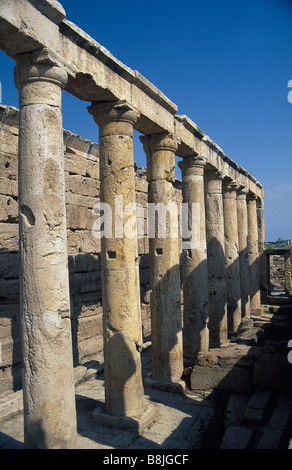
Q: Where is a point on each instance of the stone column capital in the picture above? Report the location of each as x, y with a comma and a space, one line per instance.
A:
260, 203
251, 197
157, 142
215, 175
113, 112
190, 165
230, 188
242, 192
40, 65
160, 150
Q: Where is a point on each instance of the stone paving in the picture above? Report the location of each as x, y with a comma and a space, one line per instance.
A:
180, 425
206, 420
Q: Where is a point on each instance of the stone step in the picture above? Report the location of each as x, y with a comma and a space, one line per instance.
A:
260, 421
273, 435
236, 437
257, 407
10, 405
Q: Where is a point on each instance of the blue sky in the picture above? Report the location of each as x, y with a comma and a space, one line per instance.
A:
226, 64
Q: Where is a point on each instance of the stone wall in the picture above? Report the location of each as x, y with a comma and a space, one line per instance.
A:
82, 193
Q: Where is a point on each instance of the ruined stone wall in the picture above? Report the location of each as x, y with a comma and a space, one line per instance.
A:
82, 193
277, 273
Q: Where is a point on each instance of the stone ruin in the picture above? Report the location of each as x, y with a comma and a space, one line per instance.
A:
71, 301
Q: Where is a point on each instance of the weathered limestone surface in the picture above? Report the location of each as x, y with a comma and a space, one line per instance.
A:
216, 258
54, 210
263, 265
253, 252
124, 393
81, 165
167, 354
243, 251
194, 262
232, 275
48, 386
95, 75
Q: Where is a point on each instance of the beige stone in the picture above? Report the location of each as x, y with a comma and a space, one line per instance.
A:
124, 394
243, 251
48, 386
232, 275
216, 258
194, 263
253, 252
166, 326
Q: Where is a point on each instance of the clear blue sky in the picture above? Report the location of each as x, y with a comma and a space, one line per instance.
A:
226, 64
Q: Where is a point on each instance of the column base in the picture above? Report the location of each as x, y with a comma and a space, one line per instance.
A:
165, 385
222, 344
135, 425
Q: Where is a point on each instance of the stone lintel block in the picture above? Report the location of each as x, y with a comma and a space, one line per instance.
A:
178, 387
148, 88
51, 9
135, 425
26, 28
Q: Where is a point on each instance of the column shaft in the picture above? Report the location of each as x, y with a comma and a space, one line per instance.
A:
48, 382
263, 267
124, 393
216, 258
166, 327
253, 253
232, 274
243, 251
194, 268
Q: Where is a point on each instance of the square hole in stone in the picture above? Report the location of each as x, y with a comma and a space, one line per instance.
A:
111, 255
159, 251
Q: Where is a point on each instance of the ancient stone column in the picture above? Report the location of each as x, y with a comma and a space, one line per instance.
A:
48, 382
166, 326
216, 258
243, 251
263, 266
288, 274
253, 252
194, 262
124, 393
232, 273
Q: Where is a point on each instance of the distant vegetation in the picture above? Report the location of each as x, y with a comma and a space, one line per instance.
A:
280, 243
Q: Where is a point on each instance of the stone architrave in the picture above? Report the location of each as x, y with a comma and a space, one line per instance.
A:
253, 252
48, 380
243, 250
263, 262
216, 258
124, 392
165, 302
232, 273
194, 263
